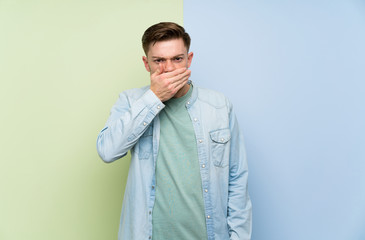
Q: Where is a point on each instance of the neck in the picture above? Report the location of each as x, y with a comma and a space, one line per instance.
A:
182, 91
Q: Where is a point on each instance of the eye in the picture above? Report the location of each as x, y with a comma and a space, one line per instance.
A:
158, 60
178, 59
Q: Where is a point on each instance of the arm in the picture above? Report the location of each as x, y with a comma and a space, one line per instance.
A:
126, 123
128, 120
239, 204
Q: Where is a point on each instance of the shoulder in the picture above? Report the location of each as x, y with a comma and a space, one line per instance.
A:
134, 93
213, 98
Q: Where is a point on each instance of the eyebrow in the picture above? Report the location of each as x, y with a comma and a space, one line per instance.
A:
179, 55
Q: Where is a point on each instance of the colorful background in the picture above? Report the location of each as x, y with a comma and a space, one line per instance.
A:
294, 71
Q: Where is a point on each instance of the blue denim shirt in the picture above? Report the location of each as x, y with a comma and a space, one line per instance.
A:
134, 125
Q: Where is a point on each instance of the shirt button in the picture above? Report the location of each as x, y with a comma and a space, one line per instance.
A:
206, 190
203, 166
158, 107
200, 140
195, 119
144, 124
208, 217
222, 139
188, 102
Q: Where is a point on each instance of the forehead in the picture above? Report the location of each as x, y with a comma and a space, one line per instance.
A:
168, 48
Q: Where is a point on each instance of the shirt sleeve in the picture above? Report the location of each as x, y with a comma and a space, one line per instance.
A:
239, 217
128, 120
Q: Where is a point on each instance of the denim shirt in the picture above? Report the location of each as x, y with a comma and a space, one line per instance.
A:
134, 125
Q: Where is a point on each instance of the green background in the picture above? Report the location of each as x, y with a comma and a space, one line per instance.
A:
62, 65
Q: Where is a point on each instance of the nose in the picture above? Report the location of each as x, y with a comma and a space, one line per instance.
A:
169, 66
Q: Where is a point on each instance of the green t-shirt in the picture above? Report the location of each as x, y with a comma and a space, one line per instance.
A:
178, 213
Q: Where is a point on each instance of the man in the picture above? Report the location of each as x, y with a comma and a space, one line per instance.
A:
188, 173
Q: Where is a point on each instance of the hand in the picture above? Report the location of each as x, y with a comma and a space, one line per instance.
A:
166, 85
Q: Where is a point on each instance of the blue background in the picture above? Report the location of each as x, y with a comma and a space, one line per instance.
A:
295, 72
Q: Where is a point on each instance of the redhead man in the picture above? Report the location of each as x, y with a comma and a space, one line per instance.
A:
188, 173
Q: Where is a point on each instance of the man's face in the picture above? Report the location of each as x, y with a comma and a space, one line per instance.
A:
168, 56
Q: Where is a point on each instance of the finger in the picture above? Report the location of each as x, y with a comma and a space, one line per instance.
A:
158, 71
181, 82
180, 77
176, 72
161, 67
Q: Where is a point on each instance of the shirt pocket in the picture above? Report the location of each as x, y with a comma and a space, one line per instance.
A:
220, 146
145, 144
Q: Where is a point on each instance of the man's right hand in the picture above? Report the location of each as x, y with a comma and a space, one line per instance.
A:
166, 85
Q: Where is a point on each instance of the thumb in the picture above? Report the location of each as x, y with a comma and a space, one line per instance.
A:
159, 70
155, 73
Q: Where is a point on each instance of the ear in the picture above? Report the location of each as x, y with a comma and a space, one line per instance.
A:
145, 61
190, 58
